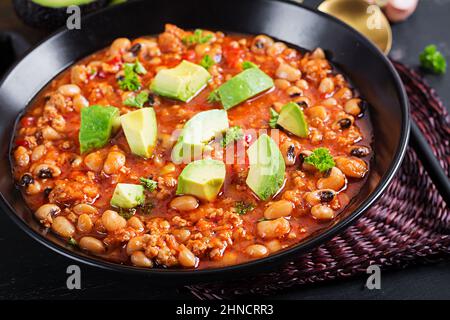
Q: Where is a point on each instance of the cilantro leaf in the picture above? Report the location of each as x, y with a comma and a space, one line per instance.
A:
207, 62
273, 118
321, 159
148, 184
214, 96
243, 207
138, 100
72, 242
127, 213
433, 60
130, 81
233, 134
197, 38
248, 65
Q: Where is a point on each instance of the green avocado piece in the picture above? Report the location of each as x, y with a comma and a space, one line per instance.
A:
183, 82
197, 132
293, 120
140, 128
267, 167
50, 14
97, 125
243, 86
202, 179
127, 195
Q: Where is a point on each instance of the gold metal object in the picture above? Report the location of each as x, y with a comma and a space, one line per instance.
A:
366, 18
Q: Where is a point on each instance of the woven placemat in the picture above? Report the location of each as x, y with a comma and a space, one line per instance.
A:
409, 224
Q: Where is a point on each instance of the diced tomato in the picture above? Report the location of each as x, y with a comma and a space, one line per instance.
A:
27, 121
22, 142
232, 56
189, 55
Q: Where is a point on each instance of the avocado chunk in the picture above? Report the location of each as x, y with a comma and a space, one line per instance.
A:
97, 125
127, 196
202, 179
197, 132
141, 131
243, 86
50, 14
267, 167
183, 82
293, 120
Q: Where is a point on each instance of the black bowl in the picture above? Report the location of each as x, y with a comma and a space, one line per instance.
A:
363, 63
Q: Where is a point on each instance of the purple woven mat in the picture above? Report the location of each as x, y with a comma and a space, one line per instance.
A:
409, 224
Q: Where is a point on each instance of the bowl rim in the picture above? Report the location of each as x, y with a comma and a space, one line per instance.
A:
263, 263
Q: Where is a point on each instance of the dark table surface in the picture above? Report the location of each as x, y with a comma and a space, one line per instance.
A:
30, 271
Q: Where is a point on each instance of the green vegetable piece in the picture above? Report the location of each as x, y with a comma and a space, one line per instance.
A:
202, 179
197, 132
149, 184
183, 82
242, 207
248, 65
267, 167
321, 159
207, 62
243, 86
127, 196
130, 81
293, 120
97, 125
141, 130
232, 134
273, 118
433, 60
138, 100
197, 38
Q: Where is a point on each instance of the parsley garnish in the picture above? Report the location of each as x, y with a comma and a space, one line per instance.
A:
273, 118
148, 184
214, 96
248, 65
432, 60
233, 134
72, 242
321, 159
243, 207
127, 213
147, 208
130, 81
207, 62
138, 100
197, 37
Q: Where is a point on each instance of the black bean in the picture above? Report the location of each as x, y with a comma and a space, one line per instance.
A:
291, 153
345, 123
45, 173
296, 94
360, 152
47, 191
302, 104
151, 100
259, 44
326, 195
26, 180
135, 49
120, 78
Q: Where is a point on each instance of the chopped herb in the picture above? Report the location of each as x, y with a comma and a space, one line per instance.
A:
147, 208
197, 38
233, 134
433, 60
248, 65
127, 213
321, 159
138, 100
273, 118
214, 96
130, 81
149, 184
207, 62
72, 242
242, 207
